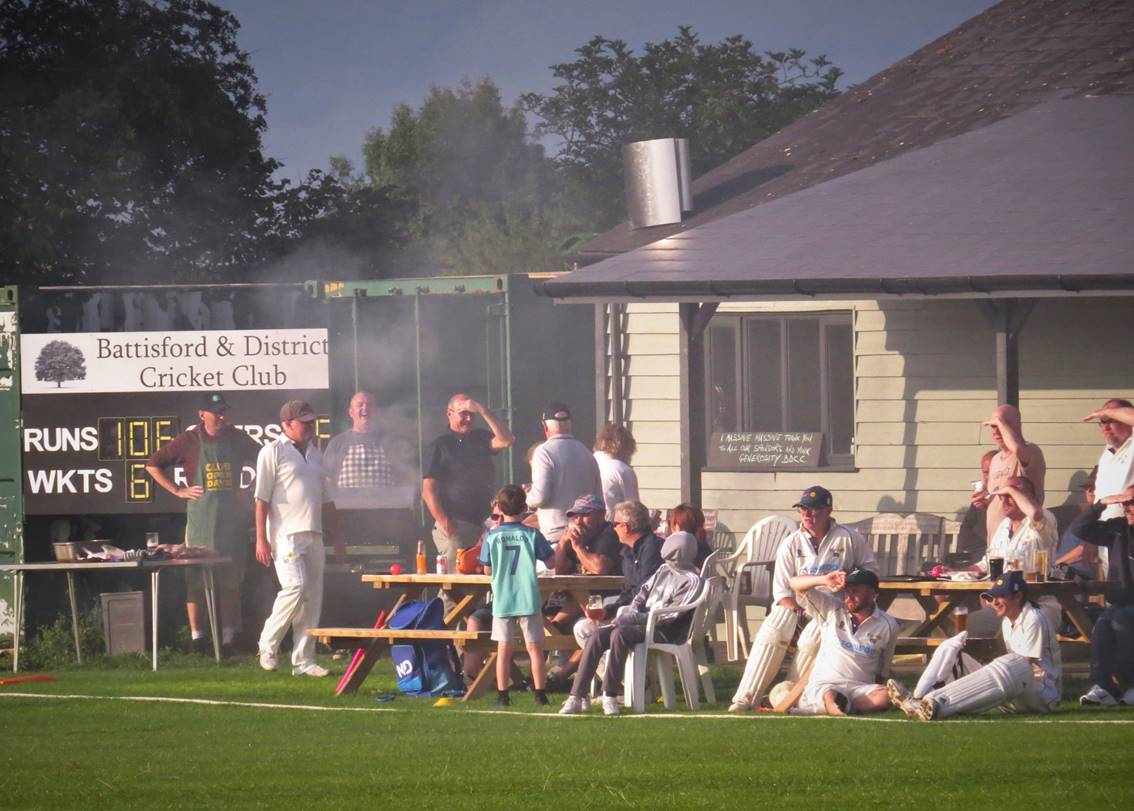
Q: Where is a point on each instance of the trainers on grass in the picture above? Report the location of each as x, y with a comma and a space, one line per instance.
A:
574, 706
1098, 697
739, 706
268, 660
313, 670
610, 705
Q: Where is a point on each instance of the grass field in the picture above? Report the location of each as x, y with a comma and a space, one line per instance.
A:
88, 741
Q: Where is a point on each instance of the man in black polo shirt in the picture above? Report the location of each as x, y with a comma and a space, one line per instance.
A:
458, 481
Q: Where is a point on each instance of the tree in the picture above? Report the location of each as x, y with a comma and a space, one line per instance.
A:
129, 143
340, 219
483, 193
723, 97
60, 361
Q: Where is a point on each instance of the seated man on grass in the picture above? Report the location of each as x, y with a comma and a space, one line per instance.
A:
1028, 678
856, 645
675, 584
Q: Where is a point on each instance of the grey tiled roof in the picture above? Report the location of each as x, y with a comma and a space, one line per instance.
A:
1039, 202
1014, 56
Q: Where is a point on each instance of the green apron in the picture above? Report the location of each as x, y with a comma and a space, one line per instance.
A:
219, 519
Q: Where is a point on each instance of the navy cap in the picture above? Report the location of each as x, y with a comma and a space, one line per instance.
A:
862, 577
1011, 582
586, 504
213, 402
557, 411
814, 497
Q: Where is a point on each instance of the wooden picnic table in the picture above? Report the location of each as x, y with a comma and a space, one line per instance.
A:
940, 598
467, 592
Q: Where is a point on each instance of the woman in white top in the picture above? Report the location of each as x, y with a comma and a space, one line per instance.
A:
614, 447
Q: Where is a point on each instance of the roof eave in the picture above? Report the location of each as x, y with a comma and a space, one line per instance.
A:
566, 289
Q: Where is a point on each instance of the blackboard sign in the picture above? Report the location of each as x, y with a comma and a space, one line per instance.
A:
764, 451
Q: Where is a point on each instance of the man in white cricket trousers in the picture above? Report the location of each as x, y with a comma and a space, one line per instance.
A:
820, 546
291, 498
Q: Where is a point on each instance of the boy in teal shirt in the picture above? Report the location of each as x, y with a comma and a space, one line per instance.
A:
509, 554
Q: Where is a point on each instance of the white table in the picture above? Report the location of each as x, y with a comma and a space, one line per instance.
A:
153, 567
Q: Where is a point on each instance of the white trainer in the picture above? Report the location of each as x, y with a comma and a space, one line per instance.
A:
585, 702
1128, 697
738, 706
313, 670
268, 660
1098, 697
610, 705
572, 706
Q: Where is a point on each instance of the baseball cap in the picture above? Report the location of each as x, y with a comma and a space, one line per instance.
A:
586, 504
557, 411
863, 577
1011, 582
814, 497
213, 402
297, 410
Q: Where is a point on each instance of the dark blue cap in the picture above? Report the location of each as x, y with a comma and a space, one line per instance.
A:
814, 497
1011, 582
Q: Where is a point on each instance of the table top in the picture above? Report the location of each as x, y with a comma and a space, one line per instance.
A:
104, 565
930, 586
554, 582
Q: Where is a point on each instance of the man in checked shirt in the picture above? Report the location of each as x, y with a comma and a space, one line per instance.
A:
357, 458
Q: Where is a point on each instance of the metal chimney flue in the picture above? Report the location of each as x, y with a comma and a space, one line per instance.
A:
658, 181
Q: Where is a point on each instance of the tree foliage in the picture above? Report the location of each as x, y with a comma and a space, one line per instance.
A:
60, 361
723, 97
482, 191
129, 142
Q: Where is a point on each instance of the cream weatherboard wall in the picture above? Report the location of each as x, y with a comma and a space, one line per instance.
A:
924, 382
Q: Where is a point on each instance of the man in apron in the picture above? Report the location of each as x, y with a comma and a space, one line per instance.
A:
212, 455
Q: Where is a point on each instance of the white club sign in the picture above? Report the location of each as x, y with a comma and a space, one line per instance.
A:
224, 360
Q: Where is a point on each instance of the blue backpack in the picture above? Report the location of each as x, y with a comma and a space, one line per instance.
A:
423, 667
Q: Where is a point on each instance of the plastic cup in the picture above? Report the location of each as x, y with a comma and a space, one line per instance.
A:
152, 539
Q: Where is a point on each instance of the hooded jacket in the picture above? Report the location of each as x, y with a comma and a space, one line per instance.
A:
676, 583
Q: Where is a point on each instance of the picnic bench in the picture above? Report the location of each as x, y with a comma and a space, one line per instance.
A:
466, 591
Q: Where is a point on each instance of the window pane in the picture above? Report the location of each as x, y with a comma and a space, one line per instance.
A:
722, 394
765, 364
804, 408
840, 387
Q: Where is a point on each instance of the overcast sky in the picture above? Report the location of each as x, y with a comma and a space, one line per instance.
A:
332, 70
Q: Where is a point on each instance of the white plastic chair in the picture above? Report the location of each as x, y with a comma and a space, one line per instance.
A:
693, 680
749, 572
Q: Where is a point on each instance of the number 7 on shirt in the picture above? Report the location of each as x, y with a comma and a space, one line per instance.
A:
513, 548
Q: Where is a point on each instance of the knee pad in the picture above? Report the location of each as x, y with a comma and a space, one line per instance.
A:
778, 627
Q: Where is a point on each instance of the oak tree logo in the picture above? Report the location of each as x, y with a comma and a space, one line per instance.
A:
60, 361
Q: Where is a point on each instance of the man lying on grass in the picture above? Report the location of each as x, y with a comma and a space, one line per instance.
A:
856, 645
1025, 679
